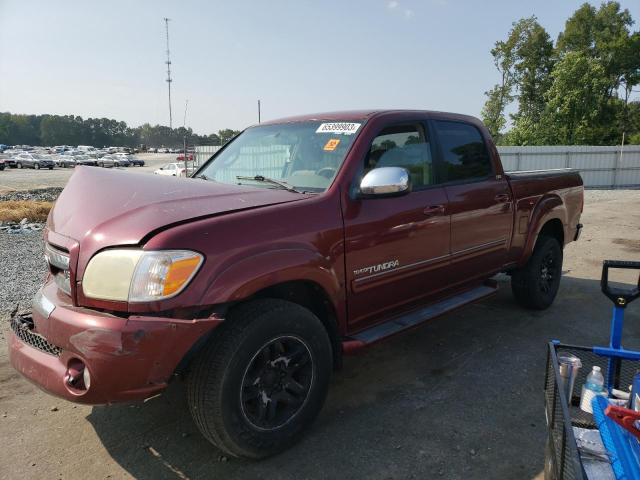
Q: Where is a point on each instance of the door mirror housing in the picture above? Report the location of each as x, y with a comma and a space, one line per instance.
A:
385, 182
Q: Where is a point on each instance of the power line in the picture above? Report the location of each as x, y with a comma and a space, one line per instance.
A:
168, 62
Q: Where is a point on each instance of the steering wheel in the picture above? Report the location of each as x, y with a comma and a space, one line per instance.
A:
326, 172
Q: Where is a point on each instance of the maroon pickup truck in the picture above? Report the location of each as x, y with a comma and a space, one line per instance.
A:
301, 240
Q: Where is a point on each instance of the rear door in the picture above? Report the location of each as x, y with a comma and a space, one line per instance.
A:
396, 246
479, 199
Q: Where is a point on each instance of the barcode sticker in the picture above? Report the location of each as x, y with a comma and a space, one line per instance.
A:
339, 128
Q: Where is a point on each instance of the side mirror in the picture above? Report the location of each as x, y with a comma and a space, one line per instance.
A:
385, 182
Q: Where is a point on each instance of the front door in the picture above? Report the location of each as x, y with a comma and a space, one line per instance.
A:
396, 246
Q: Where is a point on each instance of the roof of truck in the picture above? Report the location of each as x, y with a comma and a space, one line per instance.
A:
360, 115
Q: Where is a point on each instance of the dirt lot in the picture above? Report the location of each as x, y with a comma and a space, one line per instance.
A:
14, 179
460, 397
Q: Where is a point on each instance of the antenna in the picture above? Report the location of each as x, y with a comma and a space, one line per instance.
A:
258, 110
184, 120
168, 62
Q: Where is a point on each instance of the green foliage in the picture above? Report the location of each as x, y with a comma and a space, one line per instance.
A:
51, 130
578, 92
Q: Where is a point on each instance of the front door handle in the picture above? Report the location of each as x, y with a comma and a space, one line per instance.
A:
502, 197
433, 210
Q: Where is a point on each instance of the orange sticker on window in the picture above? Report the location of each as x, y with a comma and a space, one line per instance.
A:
331, 145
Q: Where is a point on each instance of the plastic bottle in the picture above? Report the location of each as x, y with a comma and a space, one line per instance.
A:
592, 387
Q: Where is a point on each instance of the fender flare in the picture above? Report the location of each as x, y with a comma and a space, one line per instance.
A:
256, 272
550, 207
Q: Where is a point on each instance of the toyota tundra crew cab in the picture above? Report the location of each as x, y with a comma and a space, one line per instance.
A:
301, 240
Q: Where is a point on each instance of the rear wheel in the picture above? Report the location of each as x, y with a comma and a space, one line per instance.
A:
19, 165
536, 284
36, 166
262, 379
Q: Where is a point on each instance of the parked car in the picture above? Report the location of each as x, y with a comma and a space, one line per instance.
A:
122, 160
3, 164
33, 160
255, 277
86, 160
180, 157
8, 159
66, 161
109, 161
136, 162
171, 169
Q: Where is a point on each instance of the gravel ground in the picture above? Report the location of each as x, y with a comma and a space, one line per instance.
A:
458, 398
22, 270
39, 194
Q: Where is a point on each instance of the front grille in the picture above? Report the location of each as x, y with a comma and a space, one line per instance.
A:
58, 261
22, 325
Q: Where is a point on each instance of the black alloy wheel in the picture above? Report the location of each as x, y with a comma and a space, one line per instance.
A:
277, 382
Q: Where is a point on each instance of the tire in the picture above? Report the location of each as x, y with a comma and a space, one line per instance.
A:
234, 361
535, 285
18, 165
50, 168
36, 166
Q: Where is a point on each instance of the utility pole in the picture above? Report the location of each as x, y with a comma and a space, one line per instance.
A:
168, 62
258, 110
184, 147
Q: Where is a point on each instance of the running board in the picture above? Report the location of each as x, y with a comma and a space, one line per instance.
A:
417, 317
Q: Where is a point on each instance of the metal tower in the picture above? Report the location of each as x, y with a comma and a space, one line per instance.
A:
168, 62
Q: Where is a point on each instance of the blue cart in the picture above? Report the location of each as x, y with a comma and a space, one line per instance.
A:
563, 458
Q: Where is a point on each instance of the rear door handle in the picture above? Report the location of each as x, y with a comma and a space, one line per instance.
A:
433, 210
502, 197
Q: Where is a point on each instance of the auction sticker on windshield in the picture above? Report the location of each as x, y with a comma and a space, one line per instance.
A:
331, 145
339, 128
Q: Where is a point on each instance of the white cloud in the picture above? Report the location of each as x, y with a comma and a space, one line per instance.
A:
395, 6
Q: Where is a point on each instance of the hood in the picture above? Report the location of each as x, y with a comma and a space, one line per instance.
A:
120, 208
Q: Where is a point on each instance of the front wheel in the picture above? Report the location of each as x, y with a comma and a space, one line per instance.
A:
36, 166
536, 284
262, 379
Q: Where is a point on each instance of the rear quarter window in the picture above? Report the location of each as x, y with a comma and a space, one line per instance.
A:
464, 153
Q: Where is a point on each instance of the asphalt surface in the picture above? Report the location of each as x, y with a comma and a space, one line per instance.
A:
460, 397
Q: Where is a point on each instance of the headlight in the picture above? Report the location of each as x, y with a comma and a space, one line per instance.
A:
139, 276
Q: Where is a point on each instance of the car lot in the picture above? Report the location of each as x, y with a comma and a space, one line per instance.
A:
460, 397
21, 179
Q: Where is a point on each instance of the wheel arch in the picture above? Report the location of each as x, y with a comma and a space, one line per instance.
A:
548, 218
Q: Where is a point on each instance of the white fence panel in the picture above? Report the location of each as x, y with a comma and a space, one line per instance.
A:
600, 167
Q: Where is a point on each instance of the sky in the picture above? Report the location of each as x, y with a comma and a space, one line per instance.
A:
106, 58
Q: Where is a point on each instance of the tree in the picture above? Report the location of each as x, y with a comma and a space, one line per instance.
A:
575, 101
524, 61
226, 135
51, 130
578, 92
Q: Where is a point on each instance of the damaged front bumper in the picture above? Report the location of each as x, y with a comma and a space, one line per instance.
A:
127, 358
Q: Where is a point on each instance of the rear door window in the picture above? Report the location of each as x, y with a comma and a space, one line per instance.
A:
464, 153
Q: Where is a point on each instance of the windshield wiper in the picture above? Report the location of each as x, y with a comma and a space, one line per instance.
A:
202, 176
279, 183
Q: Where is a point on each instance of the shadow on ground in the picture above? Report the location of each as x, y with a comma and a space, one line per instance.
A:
460, 397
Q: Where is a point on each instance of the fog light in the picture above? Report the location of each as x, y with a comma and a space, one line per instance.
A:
78, 377
86, 378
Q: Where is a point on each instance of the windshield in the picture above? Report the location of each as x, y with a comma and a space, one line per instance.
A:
304, 155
